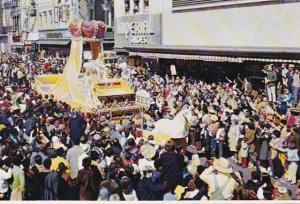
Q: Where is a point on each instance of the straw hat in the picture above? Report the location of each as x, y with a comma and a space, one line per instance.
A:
148, 151
214, 118
106, 129
222, 165
211, 110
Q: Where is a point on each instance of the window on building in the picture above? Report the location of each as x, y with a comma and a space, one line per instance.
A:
55, 14
41, 20
146, 6
136, 7
67, 12
91, 14
60, 14
46, 20
127, 5
51, 17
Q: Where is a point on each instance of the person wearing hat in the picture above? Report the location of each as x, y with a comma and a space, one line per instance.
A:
148, 152
270, 80
85, 153
220, 180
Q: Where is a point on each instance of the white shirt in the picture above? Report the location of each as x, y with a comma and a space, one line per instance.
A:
143, 163
4, 176
208, 176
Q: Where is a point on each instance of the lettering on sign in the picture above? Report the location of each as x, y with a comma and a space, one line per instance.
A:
54, 35
136, 32
142, 31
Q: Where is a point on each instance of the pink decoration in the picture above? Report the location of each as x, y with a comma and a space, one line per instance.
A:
74, 29
88, 29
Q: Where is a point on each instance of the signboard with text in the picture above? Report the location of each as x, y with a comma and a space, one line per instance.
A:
138, 30
142, 98
55, 34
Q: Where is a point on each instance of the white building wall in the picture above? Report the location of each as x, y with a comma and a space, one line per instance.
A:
260, 26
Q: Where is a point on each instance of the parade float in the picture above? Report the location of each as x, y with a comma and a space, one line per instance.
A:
87, 86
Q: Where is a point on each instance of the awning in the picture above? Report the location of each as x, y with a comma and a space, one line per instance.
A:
53, 42
211, 58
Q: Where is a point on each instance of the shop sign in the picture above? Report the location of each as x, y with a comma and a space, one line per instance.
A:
55, 34
138, 30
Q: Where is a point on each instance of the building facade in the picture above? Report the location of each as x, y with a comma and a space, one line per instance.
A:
223, 31
10, 35
43, 24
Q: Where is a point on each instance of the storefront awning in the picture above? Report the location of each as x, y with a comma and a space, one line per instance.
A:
53, 42
210, 58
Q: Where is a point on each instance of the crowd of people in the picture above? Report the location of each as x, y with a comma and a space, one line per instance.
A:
49, 151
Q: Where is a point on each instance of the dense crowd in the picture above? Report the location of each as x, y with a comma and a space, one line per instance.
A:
50, 151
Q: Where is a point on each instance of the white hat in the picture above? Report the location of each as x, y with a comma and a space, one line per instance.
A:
55, 140
96, 137
214, 118
148, 151
222, 165
85, 147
